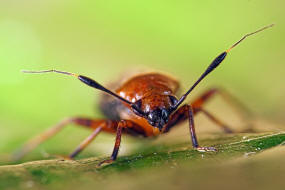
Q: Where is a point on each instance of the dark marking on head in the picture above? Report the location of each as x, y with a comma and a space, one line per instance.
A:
158, 118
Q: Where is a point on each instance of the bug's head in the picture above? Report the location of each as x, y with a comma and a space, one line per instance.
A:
156, 109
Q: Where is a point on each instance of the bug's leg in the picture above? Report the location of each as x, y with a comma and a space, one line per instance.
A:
223, 126
193, 133
34, 142
237, 106
180, 115
121, 125
229, 98
85, 143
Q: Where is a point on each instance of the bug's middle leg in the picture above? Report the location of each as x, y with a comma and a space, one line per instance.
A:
219, 123
238, 106
85, 143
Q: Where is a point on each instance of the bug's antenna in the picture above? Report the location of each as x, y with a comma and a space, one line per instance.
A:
216, 63
245, 36
86, 80
50, 71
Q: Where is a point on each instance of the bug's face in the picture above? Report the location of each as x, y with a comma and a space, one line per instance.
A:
156, 109
158, 118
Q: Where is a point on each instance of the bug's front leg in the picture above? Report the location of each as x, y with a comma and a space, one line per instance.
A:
182, 113
123, 124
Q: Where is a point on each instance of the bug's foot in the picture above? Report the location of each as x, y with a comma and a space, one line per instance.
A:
105, 162
206, 149
249, 130
227, 130
62, 157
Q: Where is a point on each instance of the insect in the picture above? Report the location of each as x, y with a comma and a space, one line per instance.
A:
145, 105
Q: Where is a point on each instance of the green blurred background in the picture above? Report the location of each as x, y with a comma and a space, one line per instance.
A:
102, 39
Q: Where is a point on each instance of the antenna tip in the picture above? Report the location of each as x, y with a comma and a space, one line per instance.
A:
25, 71
268, 26
247, 35
51, 71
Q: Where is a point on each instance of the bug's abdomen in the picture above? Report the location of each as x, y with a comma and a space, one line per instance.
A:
111, 107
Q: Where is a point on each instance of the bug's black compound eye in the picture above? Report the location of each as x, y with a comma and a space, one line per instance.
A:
158, 118
164, 114
152, 116
173, 100
137, 108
